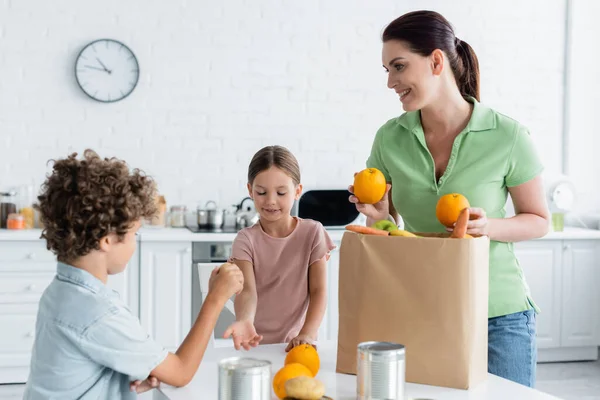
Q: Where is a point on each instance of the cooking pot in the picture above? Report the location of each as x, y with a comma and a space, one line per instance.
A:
212, 217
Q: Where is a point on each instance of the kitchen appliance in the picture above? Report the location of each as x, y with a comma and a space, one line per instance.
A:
381, 371
212, 218
560, 195
245, 216
330, 207
205, 257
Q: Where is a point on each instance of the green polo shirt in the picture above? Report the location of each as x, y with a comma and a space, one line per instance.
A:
493, 153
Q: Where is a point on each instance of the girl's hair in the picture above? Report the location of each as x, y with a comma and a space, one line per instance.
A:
425, 31
277, 156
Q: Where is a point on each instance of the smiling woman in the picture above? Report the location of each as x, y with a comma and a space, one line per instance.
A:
448, 142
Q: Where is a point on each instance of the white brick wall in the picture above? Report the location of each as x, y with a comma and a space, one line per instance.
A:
220, 79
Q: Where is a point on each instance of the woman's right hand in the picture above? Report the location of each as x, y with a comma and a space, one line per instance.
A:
377, 211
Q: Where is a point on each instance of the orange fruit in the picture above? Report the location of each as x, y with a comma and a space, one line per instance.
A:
448, 208
287, 372
369, 185
306, 355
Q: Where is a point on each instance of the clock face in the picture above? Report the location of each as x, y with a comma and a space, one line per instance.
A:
107, 70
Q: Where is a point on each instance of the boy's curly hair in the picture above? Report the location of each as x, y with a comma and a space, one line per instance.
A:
84, 200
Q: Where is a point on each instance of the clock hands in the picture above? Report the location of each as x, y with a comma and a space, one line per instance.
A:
92, 67
104, 66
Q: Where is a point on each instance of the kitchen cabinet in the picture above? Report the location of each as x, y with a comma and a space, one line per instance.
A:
166, 291
541, 262
26, 269
563, 276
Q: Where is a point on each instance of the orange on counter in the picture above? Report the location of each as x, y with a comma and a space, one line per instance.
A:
369, 185
287, 372
306, 355
449, 207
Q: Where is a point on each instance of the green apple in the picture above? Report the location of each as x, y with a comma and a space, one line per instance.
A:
385, 225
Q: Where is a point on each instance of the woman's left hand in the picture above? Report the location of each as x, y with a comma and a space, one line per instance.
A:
478, 222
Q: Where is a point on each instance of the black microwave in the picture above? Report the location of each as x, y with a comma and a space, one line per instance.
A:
328, 206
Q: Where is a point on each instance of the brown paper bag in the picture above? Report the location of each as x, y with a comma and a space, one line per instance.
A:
428, 293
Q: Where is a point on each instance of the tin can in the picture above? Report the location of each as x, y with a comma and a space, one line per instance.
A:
242, 378
381, 371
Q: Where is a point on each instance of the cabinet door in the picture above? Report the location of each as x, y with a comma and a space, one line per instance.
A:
541, 263
580, 300
166, 291
332, 294
127, 283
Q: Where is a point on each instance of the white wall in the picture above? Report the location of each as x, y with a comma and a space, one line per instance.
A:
584, 105
220, 79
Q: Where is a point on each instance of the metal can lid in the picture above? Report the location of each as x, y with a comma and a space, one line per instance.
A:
245, 364
381, 348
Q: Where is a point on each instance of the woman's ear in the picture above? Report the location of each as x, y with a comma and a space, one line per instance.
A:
437, 62
249, 186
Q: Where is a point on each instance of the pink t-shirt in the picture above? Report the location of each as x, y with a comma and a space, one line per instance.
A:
281, 274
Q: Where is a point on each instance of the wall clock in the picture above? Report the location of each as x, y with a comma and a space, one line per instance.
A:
107, 70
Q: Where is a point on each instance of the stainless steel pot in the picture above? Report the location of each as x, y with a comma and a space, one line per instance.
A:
211, 217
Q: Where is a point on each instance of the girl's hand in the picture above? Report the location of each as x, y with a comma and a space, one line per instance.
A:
244, 334
377, 211
478, 222
301, 339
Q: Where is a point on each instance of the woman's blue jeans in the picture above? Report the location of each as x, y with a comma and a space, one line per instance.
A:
512, 349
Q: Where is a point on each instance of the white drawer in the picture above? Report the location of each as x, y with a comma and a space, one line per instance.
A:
19, 336
26, 256
24, 288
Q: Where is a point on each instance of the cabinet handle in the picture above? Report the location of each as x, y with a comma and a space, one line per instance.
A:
188, 249
31, 256
567, 247
31, 287
30, 334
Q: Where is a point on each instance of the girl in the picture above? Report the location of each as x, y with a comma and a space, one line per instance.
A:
283, 259
447, 142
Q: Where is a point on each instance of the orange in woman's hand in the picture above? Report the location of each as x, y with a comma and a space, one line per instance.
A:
369, 185
306, 355
449, 207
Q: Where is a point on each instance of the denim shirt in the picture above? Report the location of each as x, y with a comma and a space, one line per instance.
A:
88, 345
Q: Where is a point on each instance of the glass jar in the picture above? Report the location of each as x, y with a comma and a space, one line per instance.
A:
25, 205
8, 205
178, 216
15, 221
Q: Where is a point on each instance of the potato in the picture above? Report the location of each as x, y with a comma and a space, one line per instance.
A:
304, 388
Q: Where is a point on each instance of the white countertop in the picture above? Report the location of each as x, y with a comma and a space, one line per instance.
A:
338, 386
160, 234
150, 234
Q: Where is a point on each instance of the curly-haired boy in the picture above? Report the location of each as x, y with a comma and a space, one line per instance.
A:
87, 344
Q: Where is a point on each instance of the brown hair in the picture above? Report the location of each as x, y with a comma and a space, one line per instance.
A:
82, 201
425, 31
277, 156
